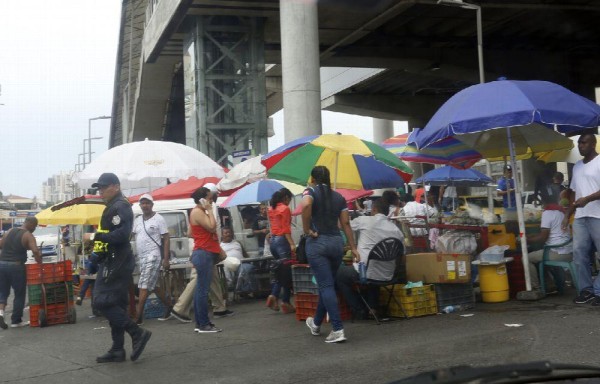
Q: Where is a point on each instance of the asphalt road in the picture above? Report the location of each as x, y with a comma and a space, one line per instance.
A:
262, 346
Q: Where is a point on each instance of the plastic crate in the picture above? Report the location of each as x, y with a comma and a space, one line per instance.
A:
154, 308
306, 305
55, 293
54, 314
456, 295
49, 272
418, 301
302, 279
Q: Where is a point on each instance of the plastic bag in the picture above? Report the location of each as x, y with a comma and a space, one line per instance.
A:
462, 242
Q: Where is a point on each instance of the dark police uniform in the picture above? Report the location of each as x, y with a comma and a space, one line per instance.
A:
111, 292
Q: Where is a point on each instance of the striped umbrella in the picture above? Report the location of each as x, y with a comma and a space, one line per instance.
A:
353, 163
447, 152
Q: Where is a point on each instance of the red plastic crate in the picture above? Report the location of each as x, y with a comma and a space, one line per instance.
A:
49, 272
306, 305
55, 314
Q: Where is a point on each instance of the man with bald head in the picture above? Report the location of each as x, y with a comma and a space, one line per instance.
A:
585, 184
15, 244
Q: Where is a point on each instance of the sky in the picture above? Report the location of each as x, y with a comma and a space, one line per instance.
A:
57, 67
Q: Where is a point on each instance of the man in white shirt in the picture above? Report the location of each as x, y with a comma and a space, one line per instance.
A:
586, 226
551, 233
235, 253
371, 230
152, 246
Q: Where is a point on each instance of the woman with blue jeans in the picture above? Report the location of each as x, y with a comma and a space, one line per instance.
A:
322, 209
282, 246
203, 229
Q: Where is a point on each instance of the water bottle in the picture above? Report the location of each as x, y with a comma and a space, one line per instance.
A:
448, 309
362, 272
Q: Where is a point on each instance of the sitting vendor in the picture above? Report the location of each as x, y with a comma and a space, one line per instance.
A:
371, 230
550, 233
235, 253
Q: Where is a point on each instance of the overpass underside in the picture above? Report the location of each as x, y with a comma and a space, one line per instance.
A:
207, 73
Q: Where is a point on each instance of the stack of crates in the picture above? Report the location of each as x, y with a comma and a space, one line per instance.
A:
50, 290
416, 301
459, 296
307, 294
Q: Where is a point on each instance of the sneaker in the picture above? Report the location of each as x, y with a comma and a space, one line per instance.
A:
596, 301
78, 301
224, 313
336, 337
314, 330
3, 324
210, 328
180, 317
20, 325
167, 315
584, 297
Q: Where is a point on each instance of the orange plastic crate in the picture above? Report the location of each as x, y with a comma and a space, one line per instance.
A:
55, 314
49, 272
306, 305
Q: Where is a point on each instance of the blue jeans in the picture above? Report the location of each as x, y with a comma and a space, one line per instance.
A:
281, 250
585, 231
13, 275
203, 261
324, 255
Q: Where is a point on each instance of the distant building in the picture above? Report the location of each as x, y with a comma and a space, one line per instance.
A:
58, 188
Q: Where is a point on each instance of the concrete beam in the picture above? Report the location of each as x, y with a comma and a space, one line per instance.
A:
388, 107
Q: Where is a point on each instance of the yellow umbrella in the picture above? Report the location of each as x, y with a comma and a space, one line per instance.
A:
78, 214
567, 155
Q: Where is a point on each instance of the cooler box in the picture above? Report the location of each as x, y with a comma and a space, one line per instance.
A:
432, 268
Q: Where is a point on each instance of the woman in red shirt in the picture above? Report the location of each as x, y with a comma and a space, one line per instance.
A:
203, 229
282, 247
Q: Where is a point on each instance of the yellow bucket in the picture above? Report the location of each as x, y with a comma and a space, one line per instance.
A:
493, 282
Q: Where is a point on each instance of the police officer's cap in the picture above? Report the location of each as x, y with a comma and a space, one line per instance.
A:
106, 179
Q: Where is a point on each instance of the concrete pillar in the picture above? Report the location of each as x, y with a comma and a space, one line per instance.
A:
382, 130
300, 68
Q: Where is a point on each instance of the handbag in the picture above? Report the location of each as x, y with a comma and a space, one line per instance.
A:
301, 251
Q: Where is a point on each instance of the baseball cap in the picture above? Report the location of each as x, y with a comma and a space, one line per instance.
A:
211, 187
507, 168
106, 179
147, 196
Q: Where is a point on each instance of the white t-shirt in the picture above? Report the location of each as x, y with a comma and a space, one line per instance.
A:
413, 209
450, 191
233, 249
156, 227
552, 220
586, 180
371, 230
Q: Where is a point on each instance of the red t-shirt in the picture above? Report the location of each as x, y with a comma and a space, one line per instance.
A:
281, 220
205, 240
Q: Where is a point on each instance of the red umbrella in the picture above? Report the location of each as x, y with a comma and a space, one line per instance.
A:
349, 194
180, 190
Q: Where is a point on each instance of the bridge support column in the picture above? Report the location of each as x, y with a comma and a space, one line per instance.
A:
382, 130
300, 68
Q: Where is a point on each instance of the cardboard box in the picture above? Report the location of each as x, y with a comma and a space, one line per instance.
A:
431, 268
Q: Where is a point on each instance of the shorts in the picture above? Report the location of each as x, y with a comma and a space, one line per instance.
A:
149, 272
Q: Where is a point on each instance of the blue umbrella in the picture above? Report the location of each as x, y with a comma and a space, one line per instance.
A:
510, 117
449, 175
261, 190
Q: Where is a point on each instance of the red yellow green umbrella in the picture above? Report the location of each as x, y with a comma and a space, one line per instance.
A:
353, 163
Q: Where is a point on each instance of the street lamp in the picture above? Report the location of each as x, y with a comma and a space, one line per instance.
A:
477, 8
90, 134
89, 145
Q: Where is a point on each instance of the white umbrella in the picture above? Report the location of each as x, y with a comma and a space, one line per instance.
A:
148, 164
247, 171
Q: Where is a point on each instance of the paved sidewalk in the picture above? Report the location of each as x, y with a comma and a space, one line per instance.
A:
261, 346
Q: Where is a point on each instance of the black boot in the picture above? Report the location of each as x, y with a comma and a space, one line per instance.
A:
139, 338
112, 356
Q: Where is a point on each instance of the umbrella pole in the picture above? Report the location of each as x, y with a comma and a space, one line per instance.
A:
337, 158
520, 217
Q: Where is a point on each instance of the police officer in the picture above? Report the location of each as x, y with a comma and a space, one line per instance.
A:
116, 263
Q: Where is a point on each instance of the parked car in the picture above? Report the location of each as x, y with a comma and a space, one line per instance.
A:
48, 239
